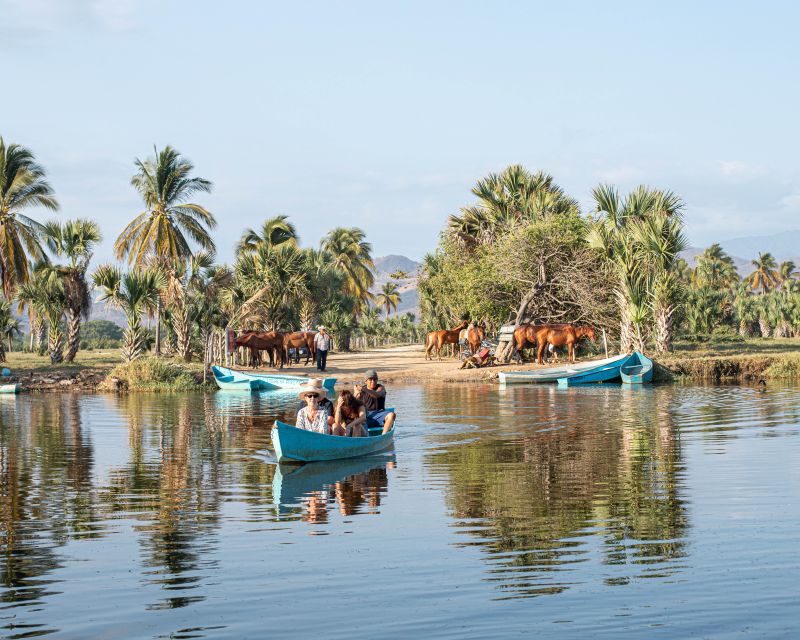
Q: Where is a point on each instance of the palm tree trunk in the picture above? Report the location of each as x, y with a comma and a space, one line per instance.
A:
158, 327
132, 343
183, 334
41, 329
56, 344
2, 351
73, 335
763, 325
664, 329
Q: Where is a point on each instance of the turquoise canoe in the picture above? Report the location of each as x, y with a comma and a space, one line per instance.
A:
235, 380
637, 370
11, 387
608, 372
298, 445
555, 374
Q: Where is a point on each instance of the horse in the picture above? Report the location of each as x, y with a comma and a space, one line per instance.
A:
525, 336
437, 339
270, 341
299, 339
474, 337
560, 335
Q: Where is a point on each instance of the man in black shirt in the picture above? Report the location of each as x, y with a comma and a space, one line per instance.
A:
373, 395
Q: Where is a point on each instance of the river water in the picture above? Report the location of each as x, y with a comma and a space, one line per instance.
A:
605, 512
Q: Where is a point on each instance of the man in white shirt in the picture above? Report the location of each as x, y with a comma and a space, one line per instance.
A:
322, 343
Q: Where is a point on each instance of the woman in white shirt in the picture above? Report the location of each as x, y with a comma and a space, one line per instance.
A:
312, 417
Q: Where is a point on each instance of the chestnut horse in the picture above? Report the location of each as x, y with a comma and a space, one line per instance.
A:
256, 341
297, 340
475, 335
437, 339
560, 335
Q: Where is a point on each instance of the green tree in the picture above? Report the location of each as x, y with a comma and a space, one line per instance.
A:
45, 292
74, 240
135, 293
274, 233
787, 273
183, 279
351, 254
765, 276
161, 234
9, 326
715, 269
22, 186
388, 297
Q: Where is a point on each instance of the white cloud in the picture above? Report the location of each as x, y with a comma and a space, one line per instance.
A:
791, 202
740, 170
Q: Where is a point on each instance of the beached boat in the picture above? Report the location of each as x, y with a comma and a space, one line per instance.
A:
236, 380
637, 370
553, 374
298, 445
11, 387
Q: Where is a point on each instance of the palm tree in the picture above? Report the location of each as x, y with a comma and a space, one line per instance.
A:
74, 240
44, 291
135, 293
389, 297
183, 278
275, 232
787, 273
160, 232
715, 269
9, 325
765, 275
22, 186
323, 280
352, 255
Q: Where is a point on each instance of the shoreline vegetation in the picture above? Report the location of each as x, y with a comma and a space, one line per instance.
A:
523, 252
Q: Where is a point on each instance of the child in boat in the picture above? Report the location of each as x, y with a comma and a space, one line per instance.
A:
350, 418
312, 417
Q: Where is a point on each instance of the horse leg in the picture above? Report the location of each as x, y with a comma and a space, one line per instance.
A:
540, 351
571, 350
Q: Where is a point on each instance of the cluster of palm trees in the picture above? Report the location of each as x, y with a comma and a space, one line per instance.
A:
765, 303
172, 279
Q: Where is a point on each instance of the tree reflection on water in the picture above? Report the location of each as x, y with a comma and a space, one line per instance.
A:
564, 477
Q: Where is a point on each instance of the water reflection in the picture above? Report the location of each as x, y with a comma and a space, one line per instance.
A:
568, 476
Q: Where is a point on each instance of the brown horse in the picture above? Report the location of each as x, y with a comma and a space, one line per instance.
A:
437, 339
560, 335
525, 335
297, 340
258, 341
475, 335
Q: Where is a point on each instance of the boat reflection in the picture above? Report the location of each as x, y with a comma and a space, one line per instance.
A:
313, 489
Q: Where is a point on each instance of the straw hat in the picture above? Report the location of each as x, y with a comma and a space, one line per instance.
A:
314, 385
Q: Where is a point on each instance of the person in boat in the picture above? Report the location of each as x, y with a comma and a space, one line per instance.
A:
373, 395
313, 417
324, 402
350, 417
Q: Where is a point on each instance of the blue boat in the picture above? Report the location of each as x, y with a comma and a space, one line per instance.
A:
554, 374
298, 445
235, 380
637, 370
607, 372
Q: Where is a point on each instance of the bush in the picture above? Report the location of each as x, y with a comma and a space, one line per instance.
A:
725, 334
151, 374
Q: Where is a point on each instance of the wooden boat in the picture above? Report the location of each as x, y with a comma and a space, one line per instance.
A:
235, 380
298, 445
637, 370
554, 374
10, 387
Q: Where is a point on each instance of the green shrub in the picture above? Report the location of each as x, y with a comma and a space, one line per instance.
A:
151, 374
784, 367
725, 334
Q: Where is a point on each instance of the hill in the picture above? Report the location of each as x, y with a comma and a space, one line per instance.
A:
385, 266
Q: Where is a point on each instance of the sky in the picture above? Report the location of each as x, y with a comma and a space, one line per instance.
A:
383, 115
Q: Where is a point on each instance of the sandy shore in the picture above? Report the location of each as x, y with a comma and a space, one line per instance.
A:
401, 364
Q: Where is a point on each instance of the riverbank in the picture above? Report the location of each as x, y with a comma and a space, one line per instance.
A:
92, 371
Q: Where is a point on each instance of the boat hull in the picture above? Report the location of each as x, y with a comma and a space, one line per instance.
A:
638, 370
298, 445
554, 374
11, 387
235, 380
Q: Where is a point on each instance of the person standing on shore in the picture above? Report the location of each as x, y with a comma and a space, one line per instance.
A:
322, 343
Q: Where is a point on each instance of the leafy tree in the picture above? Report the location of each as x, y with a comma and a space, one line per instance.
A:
274, 233
351, 254
765, 275
45, 292
23, 185
183, 279
9, 326
787, 273
715, 269
135, 293
74, 240
388, 297
160, 235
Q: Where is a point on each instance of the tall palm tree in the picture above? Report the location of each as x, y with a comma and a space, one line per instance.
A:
9, 325
787, 273
22, 186
74, 240
715, 268
352, 255
44, 291
765, 276
275, 232
388, 297
160, 232
135, 293
183, 278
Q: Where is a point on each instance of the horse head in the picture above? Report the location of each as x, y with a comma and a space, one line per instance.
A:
587, 331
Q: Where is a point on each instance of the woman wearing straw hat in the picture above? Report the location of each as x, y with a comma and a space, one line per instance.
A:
312, 417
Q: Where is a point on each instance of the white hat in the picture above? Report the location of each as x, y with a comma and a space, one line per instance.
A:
314, 385
322, 327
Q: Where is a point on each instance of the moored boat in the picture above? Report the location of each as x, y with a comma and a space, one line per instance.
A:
554, 374
10, 387
236, 380
637, 370
298, 445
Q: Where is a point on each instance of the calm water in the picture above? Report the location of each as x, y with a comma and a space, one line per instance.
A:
596, 512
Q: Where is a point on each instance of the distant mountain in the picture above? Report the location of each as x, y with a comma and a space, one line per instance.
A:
385, 266
783, 246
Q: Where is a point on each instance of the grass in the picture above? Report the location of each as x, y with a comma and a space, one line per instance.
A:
152, 374
23, 363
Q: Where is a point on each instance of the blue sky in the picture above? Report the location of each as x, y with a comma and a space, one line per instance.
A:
383, 115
